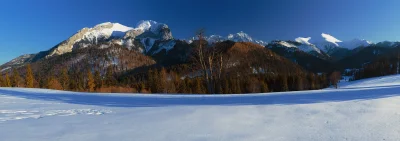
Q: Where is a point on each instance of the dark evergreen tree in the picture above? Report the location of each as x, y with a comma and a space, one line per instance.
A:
284, 83
110, 79
299, 83
2, 83
15, 78
97, 79
64, 79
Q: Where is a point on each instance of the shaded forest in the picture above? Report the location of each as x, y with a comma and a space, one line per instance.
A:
197, 68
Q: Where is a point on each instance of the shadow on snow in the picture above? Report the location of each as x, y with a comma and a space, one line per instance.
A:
304, 97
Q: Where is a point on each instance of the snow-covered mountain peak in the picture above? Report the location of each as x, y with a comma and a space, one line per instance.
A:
103, 24
331, 39
153, 26
240, 37
303, 40
355, 43
286, 44
215, 39
237, 37
112, 26
145, 30
145, 24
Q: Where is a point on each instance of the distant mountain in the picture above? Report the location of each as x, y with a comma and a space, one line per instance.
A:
237, 37
155, 40
147, 32
302, 53
355, 43
330, 44
300, 44
388, 44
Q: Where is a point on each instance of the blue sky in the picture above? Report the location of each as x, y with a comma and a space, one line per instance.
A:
32, 26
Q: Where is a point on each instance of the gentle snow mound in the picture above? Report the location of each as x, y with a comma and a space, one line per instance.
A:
392, 80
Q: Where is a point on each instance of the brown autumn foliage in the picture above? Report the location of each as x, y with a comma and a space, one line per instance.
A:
116, 89
54, 84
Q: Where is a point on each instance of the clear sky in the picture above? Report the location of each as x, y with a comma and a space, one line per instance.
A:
31, 26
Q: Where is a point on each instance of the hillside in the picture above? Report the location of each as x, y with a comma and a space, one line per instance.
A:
349, 113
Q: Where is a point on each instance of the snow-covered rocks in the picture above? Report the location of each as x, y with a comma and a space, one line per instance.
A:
237, 37
145, 30
330, 43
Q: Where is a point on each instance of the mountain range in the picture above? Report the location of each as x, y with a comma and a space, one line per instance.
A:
151, 38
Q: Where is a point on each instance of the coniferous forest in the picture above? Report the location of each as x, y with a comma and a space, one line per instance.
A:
197, 68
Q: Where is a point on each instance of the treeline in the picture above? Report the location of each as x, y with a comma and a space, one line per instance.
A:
66, 80
223, 68
381, 67
163, 81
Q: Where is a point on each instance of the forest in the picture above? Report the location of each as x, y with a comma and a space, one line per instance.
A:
223, 68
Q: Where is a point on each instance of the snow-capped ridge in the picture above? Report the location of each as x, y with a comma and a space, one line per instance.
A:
240, 37
237, 37
108, 32
331, 39
303, 40
286, 44
355, 43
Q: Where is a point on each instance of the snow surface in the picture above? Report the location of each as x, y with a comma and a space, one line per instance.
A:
286, 44
367, 113
116, 30
391, 80
303, 40
306, 45
240, 37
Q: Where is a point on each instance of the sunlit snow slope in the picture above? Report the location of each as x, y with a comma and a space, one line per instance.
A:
363, 110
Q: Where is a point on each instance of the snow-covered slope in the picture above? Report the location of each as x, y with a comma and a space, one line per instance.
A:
300, 43
388, 44
142, 38
237, 37
306, 46
16, 62
329, 43
145, 30
351, 113
391, 80
331, 39
240, 37
355, 43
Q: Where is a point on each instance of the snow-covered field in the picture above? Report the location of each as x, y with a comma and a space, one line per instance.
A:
363, 110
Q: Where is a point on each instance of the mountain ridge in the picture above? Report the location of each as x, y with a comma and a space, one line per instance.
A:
150, 37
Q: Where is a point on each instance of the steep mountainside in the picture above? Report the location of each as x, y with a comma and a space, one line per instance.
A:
155, 40
237, 37
246, 55
119, 58
363, 56
143, 38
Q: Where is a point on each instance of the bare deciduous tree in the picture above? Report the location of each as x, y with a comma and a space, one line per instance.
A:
210, 61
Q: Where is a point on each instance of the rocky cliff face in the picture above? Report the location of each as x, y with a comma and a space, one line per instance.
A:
148, 37
114, 33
